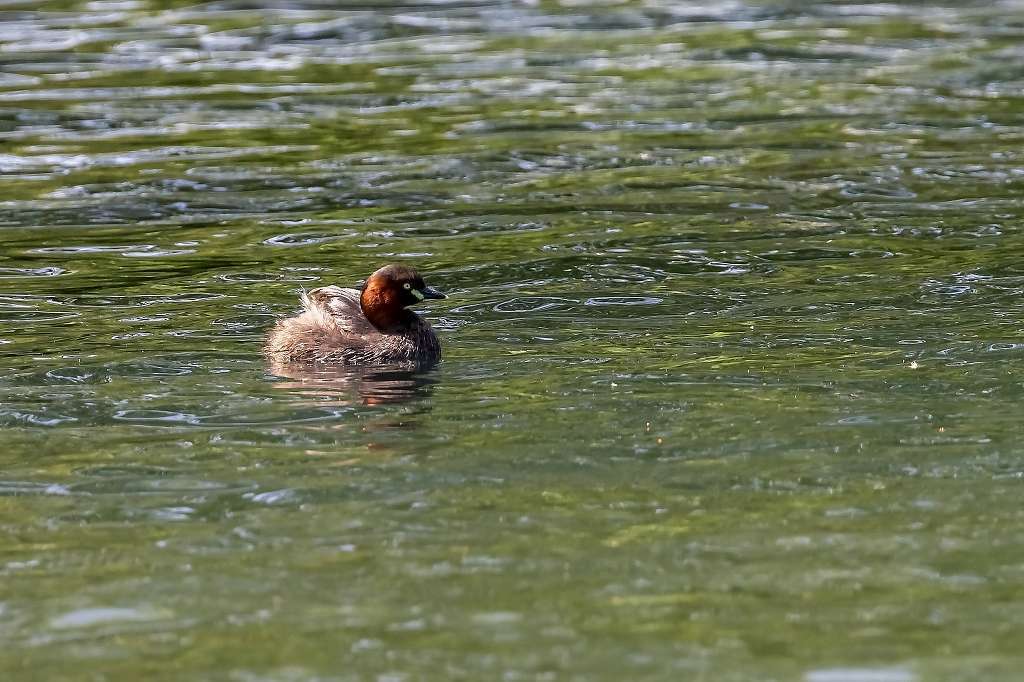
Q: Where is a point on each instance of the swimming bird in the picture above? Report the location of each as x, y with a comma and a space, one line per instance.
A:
372, 325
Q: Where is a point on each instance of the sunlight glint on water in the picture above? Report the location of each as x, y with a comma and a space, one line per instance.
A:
733, 341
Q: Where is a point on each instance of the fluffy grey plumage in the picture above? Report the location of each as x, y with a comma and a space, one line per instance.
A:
334, 328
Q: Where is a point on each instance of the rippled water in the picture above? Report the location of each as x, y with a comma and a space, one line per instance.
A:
734, 341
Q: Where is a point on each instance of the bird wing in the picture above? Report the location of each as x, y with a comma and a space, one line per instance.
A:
339, 307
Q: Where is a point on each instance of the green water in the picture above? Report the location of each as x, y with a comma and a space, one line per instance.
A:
734, 342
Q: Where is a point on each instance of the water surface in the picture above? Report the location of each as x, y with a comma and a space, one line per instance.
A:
733, 341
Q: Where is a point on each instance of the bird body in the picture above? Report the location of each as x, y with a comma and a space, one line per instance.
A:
372, 325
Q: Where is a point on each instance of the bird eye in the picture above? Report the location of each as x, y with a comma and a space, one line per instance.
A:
407, 286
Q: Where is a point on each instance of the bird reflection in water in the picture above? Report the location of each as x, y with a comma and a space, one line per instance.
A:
368, 385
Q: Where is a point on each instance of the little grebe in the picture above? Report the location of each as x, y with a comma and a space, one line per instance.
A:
360, 327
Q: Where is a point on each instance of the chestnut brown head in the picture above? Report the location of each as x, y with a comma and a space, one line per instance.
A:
389, 291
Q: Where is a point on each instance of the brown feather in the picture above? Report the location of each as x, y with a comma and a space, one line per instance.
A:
346, 326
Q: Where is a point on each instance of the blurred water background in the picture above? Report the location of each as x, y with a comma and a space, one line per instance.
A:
734, 341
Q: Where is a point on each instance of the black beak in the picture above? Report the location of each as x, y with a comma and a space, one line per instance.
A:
431, 292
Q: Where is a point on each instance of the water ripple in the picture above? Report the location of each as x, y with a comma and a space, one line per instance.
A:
732, 347
52, 271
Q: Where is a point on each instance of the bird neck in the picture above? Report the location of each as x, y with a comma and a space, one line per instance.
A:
384, 312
